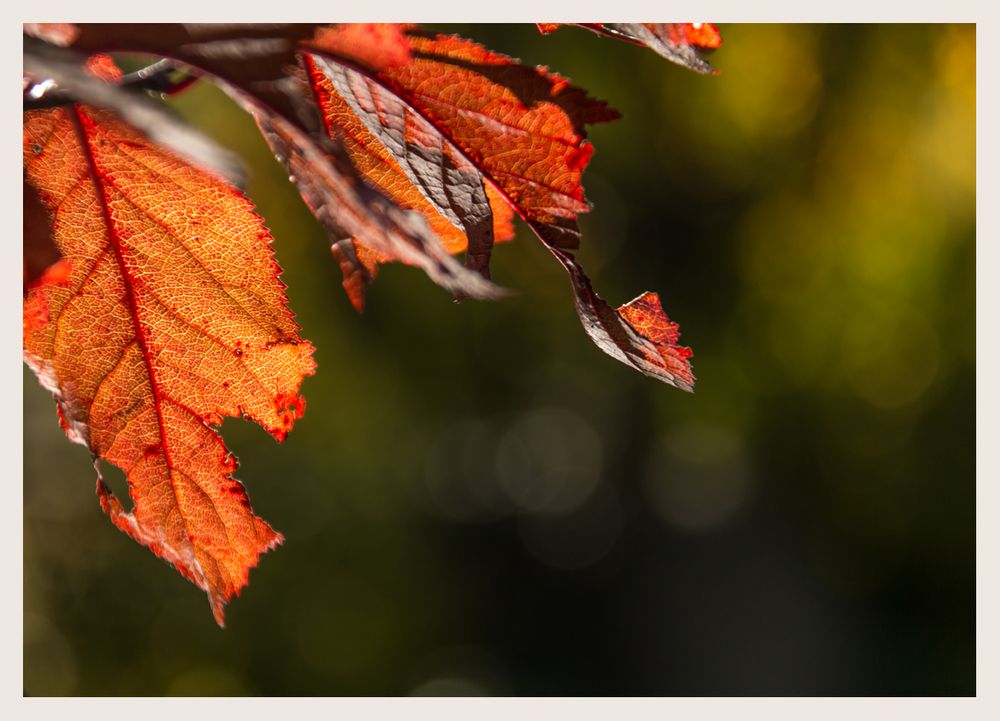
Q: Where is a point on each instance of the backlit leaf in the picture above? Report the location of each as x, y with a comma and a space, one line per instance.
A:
405, 157
171, 318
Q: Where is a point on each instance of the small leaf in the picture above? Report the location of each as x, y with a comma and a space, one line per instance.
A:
638, 333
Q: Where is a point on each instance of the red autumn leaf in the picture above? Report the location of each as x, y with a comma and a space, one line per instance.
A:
522, 127
401, 154
645, 316
682, 43
172, 317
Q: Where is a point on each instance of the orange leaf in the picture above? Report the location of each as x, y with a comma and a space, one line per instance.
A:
438, 182
522, 127
171, 318
646, 317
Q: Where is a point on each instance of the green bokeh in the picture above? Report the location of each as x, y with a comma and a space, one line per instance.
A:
479, 501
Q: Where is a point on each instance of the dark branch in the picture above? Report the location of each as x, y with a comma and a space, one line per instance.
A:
164, 77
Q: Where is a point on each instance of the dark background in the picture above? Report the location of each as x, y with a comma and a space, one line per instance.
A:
480, 501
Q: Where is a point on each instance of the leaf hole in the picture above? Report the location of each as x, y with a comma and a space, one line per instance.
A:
114, 478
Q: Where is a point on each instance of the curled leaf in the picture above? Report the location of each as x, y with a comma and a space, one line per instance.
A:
638, 333
406, 158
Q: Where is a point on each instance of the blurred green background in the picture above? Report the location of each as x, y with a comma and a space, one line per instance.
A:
478, 501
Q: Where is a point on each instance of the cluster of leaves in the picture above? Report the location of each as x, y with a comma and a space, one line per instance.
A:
153, 306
